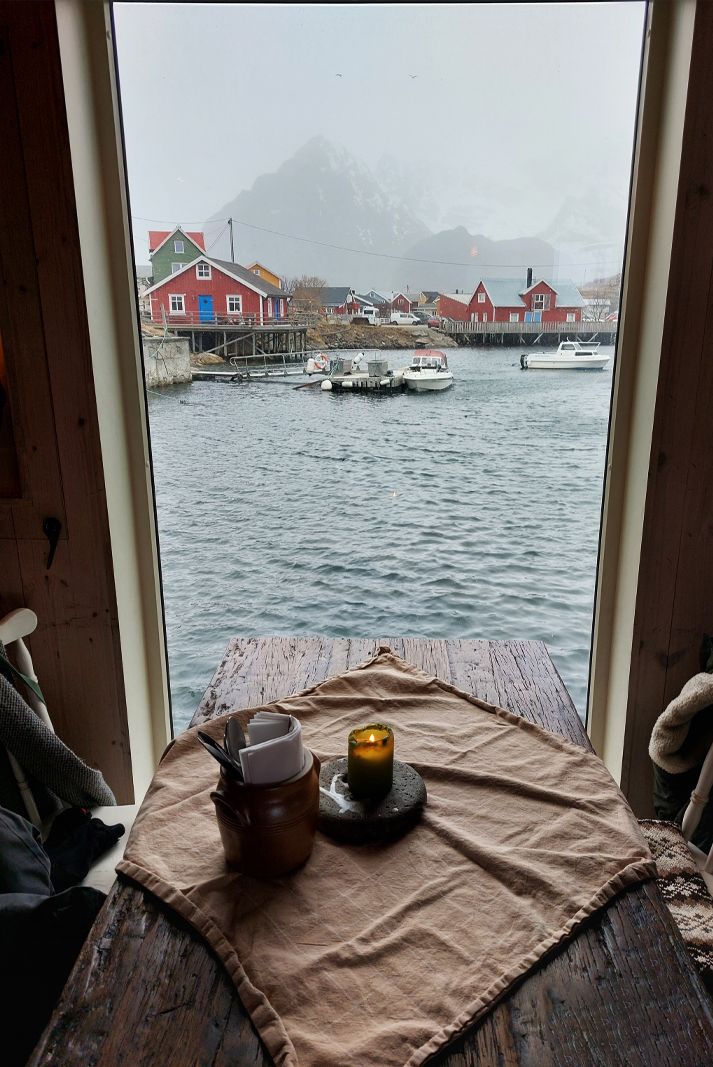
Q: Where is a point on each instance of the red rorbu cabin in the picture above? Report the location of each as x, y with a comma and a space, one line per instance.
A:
216, 291
508, 300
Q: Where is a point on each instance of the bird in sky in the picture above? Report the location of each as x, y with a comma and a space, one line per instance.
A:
413, 75
337, 75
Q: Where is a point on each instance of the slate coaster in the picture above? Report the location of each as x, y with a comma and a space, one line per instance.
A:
361, 821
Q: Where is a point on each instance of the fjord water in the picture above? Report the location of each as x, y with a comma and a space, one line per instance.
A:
468, 513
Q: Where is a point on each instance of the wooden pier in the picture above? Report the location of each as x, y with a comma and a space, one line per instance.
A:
228, 339
529, 333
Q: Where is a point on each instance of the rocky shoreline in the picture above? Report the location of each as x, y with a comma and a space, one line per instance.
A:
328, 337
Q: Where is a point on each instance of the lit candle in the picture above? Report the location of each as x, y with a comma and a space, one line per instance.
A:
370, 763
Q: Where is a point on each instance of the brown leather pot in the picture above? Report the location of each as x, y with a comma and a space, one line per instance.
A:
268, 829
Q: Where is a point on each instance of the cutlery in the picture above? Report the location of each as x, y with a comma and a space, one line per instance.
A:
218, 753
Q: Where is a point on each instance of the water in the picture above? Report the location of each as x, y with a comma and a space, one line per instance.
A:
468, 513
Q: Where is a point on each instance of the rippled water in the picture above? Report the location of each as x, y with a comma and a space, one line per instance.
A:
468, 513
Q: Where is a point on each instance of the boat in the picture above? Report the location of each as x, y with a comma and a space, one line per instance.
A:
428, 372
571, 355
347, 373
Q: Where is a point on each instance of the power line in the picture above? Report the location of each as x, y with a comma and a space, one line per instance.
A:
385, 255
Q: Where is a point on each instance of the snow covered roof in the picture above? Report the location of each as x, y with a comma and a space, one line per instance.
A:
462, 298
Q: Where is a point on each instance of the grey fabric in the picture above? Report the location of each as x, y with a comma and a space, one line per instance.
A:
45, 758
24, 864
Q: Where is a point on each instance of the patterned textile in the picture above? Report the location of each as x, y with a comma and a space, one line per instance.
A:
684, 891
53, 769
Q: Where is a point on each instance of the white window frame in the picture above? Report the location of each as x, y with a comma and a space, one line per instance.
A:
485, 316
178, 247
541, 301
175, 267
203, 267
257, 272
514, 316
571, 316
481, 298
234, 310
177, 297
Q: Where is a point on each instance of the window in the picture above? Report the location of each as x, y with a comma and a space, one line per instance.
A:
175, 267
514, 316
235, 305
178, 246
540, 301
257, 272
203, 270
178, 304
485, 316
571, 316
481, 298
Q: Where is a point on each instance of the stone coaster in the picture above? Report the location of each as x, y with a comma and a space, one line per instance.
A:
362, 821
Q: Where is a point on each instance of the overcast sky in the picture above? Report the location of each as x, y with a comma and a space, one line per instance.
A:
530, 96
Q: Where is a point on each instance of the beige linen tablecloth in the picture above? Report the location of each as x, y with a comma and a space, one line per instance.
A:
379, 955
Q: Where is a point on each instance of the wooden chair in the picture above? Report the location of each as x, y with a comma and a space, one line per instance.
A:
698, 801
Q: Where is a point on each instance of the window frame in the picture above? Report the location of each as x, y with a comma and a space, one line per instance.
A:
177, 296
204, 277
175, 267
514, 316
481, 298
179, 251
234, 311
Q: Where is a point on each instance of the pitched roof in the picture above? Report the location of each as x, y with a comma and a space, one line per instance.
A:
159, 237
335, 295
234, 270
431, 295
247, 276
508, 292
462, 298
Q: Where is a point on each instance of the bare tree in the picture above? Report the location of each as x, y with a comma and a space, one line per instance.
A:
308, 293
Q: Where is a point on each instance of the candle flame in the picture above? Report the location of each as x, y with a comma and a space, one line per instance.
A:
371, 737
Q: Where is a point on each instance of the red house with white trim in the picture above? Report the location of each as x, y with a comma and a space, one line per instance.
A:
508, 300
215, 291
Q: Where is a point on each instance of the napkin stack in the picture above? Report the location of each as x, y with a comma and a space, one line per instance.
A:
275, 752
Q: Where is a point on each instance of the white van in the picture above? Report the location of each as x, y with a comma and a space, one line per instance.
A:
403, 318
370, 313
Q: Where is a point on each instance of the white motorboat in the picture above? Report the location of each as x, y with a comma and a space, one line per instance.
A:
428, 372
571, 355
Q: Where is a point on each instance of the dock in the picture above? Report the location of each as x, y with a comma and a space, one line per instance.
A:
215, 334
546, 334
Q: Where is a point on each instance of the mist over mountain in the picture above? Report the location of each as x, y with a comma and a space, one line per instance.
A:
456, 259
325, 195
401, 212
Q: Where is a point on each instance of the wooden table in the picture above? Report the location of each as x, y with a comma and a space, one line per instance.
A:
147, 992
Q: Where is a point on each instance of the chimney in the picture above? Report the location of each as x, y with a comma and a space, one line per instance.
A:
529, 277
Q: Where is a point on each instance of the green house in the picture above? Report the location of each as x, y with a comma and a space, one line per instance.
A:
169, 251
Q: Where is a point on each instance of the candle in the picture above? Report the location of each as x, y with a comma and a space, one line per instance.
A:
370, 763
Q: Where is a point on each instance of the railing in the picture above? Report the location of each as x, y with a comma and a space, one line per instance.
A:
529, 327
189, 319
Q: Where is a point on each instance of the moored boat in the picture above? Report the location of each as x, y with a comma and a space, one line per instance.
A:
571, 355
428, 372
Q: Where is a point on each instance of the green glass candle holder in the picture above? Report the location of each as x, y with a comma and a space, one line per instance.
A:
370, 761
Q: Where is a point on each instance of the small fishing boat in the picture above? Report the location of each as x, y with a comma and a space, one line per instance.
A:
428, 372
571, 355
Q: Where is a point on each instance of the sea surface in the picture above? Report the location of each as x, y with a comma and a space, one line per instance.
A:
468, 513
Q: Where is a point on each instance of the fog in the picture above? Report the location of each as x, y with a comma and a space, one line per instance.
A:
498, 112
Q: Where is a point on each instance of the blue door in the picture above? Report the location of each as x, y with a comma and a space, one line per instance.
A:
276, 305
205, 308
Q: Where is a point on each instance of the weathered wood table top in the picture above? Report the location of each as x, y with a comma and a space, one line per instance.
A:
148, 992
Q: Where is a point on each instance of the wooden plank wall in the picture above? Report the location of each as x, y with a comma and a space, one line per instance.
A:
44, 328
675, 589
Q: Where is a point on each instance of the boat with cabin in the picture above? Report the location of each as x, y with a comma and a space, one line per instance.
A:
428, 372
571, 355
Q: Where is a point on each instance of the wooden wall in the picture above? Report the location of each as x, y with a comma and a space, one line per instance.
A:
674, 605
46, 346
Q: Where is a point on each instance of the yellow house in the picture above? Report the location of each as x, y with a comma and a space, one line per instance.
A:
264, 273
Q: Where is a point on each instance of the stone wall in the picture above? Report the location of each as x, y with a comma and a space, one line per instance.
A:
166, 361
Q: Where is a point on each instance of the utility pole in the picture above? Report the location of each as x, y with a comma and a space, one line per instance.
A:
232, 250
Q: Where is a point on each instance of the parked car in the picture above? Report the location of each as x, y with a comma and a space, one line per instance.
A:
403, 318
435, 323
422, 317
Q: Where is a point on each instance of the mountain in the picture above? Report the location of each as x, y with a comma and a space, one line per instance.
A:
456, 259
322, 194
588, 235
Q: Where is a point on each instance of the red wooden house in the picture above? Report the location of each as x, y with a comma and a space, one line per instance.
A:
401, 302
508, 300
216, 291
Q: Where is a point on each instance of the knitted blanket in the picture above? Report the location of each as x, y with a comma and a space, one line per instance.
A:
53, 770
